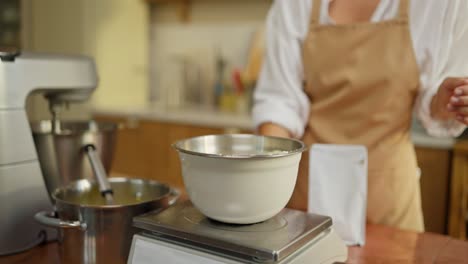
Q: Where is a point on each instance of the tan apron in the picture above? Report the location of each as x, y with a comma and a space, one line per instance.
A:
362, 80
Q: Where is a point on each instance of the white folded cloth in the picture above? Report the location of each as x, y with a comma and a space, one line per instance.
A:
338, 188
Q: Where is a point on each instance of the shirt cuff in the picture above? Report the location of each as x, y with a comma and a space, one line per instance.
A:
281, 115
435, 127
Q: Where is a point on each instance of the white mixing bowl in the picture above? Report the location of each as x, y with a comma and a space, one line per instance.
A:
239, 179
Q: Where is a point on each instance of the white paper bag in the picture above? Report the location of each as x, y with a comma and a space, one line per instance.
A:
338, 188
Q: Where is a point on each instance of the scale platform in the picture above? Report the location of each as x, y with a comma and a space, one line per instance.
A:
181, 234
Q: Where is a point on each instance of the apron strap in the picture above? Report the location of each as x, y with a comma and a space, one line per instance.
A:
403, 11
315, 16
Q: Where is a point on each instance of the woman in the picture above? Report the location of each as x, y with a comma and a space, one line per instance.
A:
352, 72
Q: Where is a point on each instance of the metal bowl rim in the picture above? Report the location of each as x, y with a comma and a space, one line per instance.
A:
299, 150
38, 127
111, 180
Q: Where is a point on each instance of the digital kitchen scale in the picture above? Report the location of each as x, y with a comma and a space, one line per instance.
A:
181, 234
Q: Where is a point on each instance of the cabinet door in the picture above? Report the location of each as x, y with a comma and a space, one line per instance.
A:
143, 148
155, 145
458, 210
130, 148
435, 172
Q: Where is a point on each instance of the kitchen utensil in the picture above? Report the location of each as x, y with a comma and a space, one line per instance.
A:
237, 82
255, 57
190, 89
92, 231
61, 153
239, 179
99, 173
291, 237
219, 88
192, 75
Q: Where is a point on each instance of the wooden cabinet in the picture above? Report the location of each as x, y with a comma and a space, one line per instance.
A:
435, 165
458, 213
143, 148
128, 154
183, 7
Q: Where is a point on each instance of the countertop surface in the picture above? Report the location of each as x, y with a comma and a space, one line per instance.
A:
384, 245
202, 116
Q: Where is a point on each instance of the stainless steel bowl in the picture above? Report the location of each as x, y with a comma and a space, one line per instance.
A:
240, 146
61, 155
239, 179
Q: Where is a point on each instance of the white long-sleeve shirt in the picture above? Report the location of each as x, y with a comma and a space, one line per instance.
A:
439, 30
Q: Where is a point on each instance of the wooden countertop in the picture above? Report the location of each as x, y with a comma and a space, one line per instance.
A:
384, 245
197, 116
389, 245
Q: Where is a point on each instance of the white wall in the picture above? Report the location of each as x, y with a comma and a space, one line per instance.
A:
114, 32
121, 49
227, 25
53, 26
126, 39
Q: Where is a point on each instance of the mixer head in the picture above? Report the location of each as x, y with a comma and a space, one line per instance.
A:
60, 78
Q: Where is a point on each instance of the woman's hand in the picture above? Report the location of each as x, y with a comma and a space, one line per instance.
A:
271, 129
451, 100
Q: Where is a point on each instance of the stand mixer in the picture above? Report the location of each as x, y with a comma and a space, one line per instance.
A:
62, 79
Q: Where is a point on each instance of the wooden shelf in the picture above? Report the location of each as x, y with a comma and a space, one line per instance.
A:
183, 7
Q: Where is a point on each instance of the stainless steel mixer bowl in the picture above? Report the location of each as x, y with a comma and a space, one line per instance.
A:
239, 179
61, 155
240, 146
